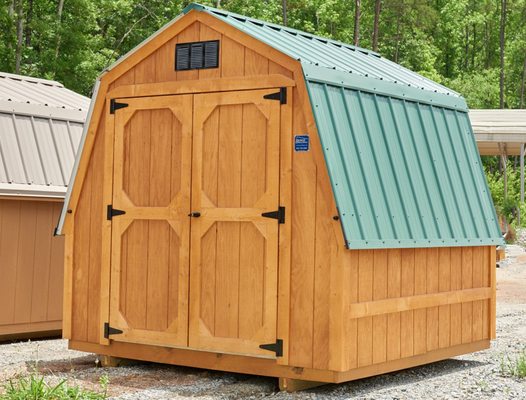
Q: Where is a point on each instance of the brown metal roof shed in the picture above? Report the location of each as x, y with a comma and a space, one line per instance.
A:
40, 128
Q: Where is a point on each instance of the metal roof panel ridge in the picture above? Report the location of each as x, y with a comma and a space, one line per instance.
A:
386, 88
200, 7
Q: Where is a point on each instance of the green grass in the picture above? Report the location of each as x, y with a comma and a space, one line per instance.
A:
34, 387
514, 366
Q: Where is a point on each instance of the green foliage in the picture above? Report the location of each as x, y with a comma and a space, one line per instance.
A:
455, 42
34, 387
510, 206
514, 366
480, 89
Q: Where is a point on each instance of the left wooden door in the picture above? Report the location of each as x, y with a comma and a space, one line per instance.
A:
150, 241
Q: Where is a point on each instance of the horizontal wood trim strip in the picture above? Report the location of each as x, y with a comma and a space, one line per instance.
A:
404, 363
202, 86
33, 198
266, 367
204, 359
13, 329
387, 306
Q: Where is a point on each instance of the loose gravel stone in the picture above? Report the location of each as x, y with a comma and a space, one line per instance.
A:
475, 376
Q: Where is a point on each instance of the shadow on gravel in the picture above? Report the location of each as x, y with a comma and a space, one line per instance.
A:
138, 376
399, 378
191, 382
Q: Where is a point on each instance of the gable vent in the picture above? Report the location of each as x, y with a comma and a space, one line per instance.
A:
197, 55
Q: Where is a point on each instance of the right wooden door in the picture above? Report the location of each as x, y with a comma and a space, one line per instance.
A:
234, 249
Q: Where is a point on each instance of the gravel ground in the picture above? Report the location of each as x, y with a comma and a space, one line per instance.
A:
474, 376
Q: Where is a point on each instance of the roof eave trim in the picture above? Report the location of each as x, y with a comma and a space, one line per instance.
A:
77, 158
421, 243
380, 87
37, 191
40, 111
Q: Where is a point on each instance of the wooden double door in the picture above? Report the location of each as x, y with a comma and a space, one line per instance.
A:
193, 261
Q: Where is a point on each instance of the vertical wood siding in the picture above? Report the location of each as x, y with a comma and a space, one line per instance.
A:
31, 266
326, 280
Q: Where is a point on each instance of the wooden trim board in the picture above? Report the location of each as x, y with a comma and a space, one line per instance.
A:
267, 367
202, 86
391, 305
36, 329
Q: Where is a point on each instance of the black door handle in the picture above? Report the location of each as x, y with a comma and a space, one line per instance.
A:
195, 214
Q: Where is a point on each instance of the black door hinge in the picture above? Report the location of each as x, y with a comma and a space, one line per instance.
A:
114, 106
279, 214
108, 330
281, 96
113, 212
275, 347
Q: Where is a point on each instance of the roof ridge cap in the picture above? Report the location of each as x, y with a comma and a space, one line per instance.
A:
30, 79
200, 7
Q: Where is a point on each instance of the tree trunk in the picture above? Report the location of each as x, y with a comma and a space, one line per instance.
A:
19, 34
502, 44
60, 9
398, 36
357, 13
377, 10
284, 11
29, 17
466, 49
523, 82
218, 3
10, 14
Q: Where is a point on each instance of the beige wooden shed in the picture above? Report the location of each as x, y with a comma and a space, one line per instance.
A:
40, 128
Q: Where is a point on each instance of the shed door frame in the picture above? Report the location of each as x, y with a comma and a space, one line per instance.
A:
240, 182
285, 199
168, 212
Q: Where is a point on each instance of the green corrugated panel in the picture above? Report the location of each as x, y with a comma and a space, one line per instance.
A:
404, 173
400, 151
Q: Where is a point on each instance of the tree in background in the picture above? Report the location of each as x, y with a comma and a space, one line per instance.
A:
357, 13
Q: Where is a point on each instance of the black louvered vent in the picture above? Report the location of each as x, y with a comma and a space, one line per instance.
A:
197, 55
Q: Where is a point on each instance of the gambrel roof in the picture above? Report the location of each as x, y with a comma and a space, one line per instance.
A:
399, 147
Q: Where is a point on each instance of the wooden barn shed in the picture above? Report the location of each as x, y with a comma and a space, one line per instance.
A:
256, 199
40, 129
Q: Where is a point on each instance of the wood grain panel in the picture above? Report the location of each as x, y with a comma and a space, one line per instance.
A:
432, 280
394, 282
365, 293
444, 285
29, 267
420, 316
407, 289
478, 306
467, 282
25, 262
303, 214
56, 272
41, 272
380, 293
353, 260
81, 259
486, 283
321, 351
456, 284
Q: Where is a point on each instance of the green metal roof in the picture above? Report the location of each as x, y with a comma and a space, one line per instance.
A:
399, 148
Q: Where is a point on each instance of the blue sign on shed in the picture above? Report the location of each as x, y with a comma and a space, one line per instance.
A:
301, 143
